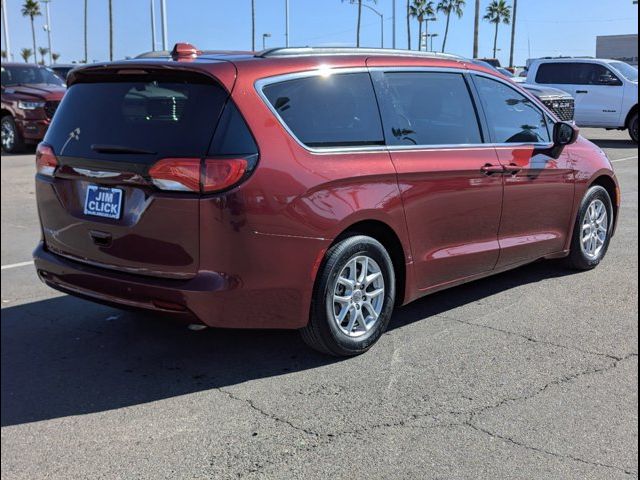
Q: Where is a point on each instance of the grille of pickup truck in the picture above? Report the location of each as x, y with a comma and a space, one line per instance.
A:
50, 108
564, 108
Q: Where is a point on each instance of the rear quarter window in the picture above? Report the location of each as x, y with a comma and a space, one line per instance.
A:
338, 110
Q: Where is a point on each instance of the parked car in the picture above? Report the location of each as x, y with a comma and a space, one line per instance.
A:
558, 101
311, 189
62, 69
30, 96
605, 91
494, 62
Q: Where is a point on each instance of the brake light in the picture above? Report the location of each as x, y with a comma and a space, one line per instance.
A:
194, 175
46, 161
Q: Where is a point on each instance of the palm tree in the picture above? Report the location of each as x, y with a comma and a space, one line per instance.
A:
253, 25
85, 32
25, 53
110, 31
421, 10
513, 32
359, 3
55, 57
42, 51
498, 12
31, 9
408, 24
476, 29
448, 7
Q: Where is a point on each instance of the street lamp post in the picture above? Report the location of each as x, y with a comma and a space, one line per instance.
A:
153, 25
431, 37
163, 19
393, 28
286, 22
5, 29
264, 40
426, 27
381, 23
47, 28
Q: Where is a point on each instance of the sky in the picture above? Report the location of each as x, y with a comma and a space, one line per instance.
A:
544, 27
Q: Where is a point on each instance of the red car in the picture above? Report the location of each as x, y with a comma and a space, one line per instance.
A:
30, 96
311, 189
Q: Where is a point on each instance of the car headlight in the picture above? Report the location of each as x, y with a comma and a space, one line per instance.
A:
26, 105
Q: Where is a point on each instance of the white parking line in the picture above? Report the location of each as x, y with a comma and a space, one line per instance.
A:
16, 265
623, 159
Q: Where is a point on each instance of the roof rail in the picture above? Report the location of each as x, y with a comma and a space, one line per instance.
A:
306, 51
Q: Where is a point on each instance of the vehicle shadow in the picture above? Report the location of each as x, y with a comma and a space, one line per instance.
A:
64, 356
614, 143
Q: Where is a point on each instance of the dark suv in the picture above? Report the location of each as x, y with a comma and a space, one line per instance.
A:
311, 189
30, 96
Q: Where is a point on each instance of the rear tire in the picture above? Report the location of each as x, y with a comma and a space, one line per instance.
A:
12, 141
353, 298
633, 127
592, 230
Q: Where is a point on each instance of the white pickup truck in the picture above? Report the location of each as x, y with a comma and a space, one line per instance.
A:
605, 91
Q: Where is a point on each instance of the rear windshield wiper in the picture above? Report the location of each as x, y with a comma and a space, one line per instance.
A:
119, 149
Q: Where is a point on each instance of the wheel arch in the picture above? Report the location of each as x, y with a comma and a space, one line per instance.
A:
609, 184
4, 112
390, 240
633, 111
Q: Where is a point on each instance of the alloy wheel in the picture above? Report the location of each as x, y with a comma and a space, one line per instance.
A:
595, 228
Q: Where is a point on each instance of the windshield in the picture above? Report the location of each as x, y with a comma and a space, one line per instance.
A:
28, 75
629, 72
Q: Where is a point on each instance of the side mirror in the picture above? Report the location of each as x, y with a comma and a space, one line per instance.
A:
565, 133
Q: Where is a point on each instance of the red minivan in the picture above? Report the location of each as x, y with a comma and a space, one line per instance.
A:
310, 189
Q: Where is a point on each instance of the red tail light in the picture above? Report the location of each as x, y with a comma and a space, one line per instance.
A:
46, 161
194, 175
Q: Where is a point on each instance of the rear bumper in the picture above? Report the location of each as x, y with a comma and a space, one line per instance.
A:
195, 299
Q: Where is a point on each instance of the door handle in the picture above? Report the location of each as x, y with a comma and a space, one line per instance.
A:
512, 168
489, 169
582, 91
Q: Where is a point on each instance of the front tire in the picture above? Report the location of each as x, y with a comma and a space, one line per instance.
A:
633, 127
12, 141
592, 230
353, 298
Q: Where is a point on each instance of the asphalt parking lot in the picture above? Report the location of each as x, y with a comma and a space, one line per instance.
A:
530, 374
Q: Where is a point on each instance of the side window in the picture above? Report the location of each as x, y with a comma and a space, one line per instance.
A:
338, 110
512, 117
232, 135
594, 74
427, 108
556, 73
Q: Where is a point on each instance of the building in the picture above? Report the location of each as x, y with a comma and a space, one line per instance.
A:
618, 47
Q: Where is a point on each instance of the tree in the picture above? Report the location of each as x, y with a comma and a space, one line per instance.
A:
476, 29
421, 10
42, 51
110, 31
31, 9
359, 3
448, 7
25, 53
498, 12
513, 32
55, 57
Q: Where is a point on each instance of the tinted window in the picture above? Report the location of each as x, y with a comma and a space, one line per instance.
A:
28, 74
232, 135
512, 117
427, 108
169, 118
628, 71
325, 111
574, 74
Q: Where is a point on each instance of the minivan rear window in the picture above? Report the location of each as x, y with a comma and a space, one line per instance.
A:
164, 117
337, 110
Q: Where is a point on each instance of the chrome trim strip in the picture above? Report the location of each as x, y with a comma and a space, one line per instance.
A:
95, 173
263, 82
